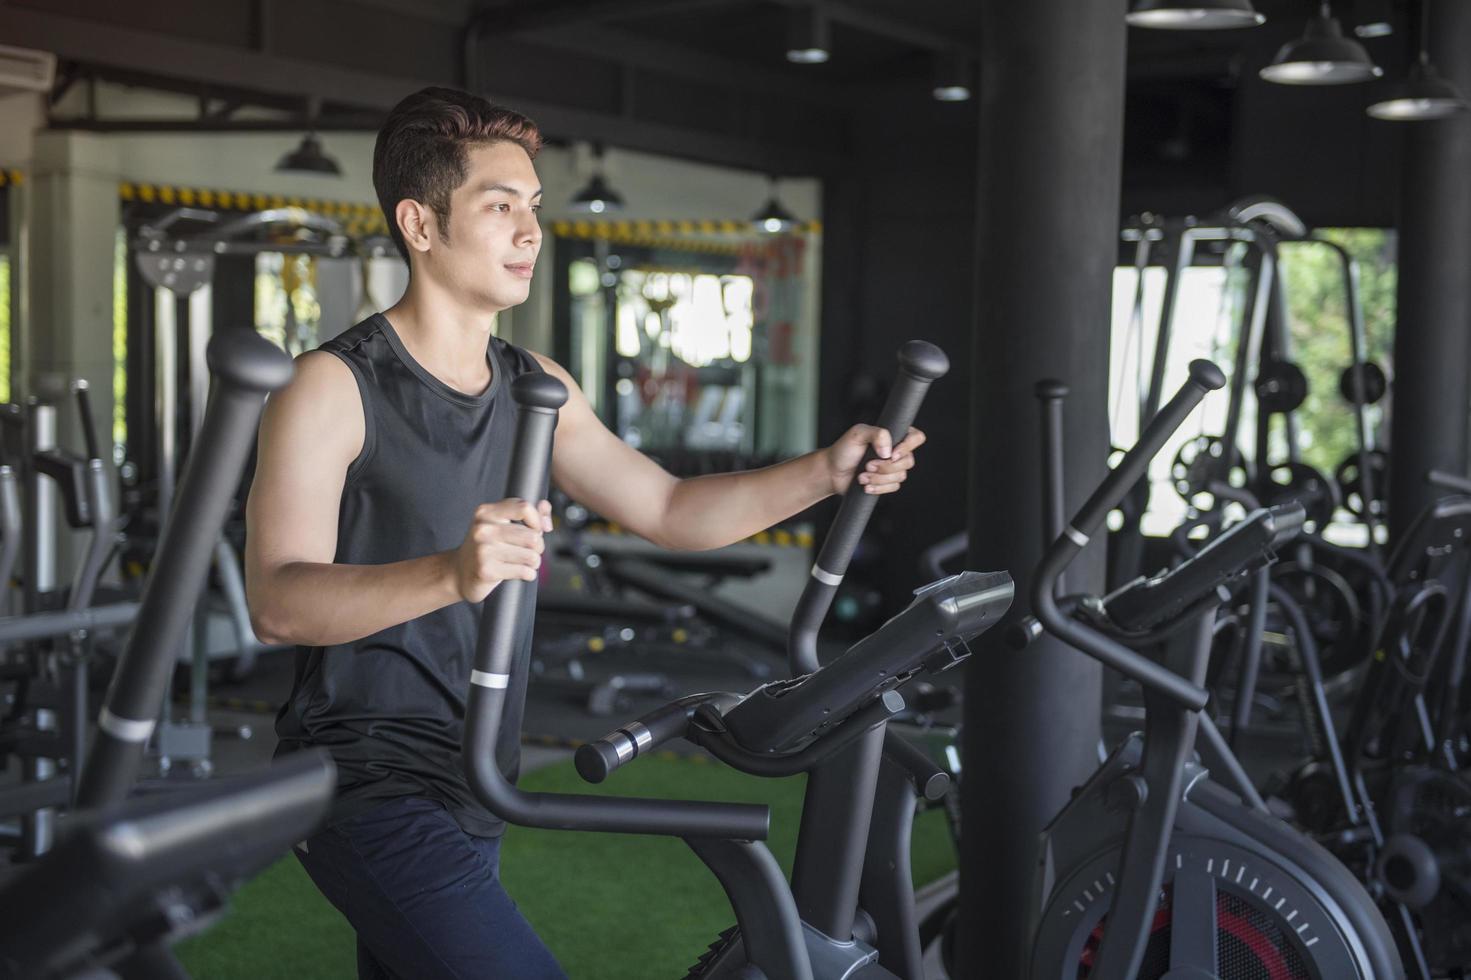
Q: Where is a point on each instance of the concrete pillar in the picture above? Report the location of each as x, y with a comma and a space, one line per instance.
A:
1050, 162
72, 220
1432, 340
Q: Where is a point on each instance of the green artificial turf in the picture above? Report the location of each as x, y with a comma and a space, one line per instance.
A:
610, 906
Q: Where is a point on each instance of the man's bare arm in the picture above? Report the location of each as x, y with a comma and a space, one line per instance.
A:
309, 436
598, 469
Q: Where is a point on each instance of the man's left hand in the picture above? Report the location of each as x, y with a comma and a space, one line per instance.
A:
882, 475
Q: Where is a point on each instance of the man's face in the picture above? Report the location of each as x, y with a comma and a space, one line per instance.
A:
493, 234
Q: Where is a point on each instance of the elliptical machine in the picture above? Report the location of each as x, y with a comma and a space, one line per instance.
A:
128, 877
1153, 870
829, 722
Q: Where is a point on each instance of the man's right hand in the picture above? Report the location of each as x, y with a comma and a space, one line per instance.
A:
504, 542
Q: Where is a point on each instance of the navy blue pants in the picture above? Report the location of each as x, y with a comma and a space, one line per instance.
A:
424, 896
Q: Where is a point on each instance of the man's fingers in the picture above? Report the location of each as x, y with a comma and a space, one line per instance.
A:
490, 532
912, 440
876, 480
882, 442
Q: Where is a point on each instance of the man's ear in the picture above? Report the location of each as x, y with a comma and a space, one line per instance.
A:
416, 224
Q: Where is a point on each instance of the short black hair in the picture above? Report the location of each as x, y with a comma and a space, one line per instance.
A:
422, 149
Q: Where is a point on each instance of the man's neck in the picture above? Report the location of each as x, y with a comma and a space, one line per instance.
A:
447, 340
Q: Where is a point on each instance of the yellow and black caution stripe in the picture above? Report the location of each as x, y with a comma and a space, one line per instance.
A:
11, 177
690, 236
357, 219
252, 705
779, 537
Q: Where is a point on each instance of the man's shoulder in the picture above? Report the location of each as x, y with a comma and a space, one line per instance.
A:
323, 378
355, 336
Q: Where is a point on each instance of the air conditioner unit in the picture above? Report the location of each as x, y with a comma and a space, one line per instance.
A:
25, 70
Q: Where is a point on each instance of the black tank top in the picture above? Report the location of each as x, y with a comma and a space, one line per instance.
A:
390, 707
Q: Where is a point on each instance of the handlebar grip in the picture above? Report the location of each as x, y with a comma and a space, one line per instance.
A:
538, 396
597, 759
920, 364
84, 418
1204, 377
1448, 481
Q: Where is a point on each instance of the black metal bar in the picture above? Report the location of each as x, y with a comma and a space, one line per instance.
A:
85, 420
886, 891
538, 397
836, 810
771, 929
1182, 251
1307, 652
1204, 377
920, 364
1219, 758
11, 532
37, 626
1168, 740
1251, 654
1253, 322
1051, 393
246, 367
1358, 343
20, 798
1193, 923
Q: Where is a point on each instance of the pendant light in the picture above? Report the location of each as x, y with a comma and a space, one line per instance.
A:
952, 77
1193, 15
773, 218
308, 157
1322, 56
809, 35
597, 197
1422, 95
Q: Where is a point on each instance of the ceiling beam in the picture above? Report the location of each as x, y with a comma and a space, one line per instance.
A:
161, 55
635, 51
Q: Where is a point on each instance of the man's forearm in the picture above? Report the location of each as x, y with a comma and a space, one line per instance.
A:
315, 604
712, 511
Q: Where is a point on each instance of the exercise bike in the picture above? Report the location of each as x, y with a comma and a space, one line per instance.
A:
848, 911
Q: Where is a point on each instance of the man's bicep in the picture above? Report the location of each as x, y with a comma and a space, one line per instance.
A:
596, 468
310, 434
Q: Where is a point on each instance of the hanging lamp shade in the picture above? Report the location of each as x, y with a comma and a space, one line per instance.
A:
951, 77
1322, 56
597, 197
1422, 95
308, 158
773, 218
809, 36
1193, 15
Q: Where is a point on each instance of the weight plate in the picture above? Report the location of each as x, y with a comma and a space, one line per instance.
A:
1349, 482
1281, 387
1202, 460
1375, 382
1299, 482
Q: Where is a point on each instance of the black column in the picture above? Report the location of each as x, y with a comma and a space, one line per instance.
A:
1432, 340
1051, 137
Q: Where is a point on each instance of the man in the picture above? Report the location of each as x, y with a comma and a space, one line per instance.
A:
391, 440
